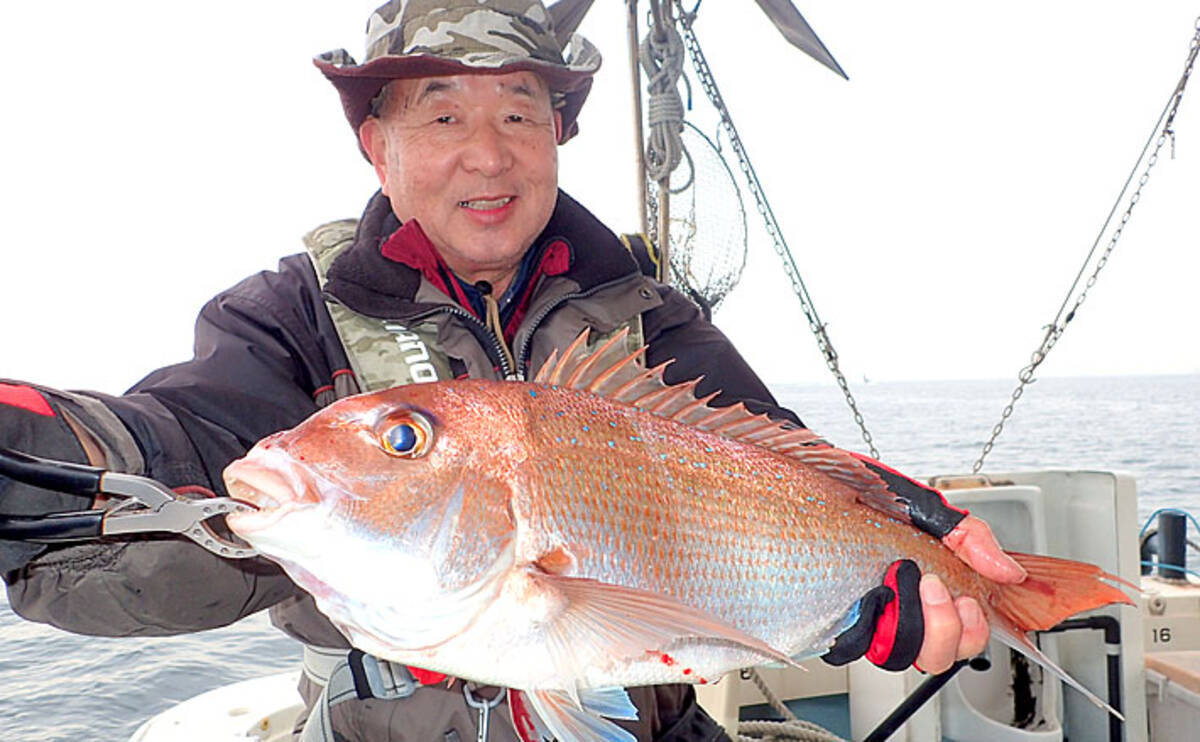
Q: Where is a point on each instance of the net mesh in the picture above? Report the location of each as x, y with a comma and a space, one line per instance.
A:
708, 221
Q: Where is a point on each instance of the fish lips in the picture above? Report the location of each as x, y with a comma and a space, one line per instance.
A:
270, 490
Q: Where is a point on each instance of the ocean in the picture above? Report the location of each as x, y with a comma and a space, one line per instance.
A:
57, 686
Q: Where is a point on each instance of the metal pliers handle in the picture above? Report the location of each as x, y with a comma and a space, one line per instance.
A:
139, 505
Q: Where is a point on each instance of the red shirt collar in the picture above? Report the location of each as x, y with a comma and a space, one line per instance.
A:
411, 246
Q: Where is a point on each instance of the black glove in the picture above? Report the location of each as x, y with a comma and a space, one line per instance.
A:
31, 423
890, 626
927, 508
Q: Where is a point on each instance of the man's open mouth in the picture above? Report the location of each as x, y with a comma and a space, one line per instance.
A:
486, 204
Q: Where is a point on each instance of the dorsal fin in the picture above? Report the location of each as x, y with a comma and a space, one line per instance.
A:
608, 371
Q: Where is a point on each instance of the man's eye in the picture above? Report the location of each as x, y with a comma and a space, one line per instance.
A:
515, 118
444, 119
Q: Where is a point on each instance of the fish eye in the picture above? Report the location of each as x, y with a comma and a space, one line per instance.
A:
408, 436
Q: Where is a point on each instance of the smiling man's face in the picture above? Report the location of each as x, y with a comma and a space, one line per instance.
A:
474, 159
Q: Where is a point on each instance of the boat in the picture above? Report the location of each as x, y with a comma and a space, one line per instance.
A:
1077, 513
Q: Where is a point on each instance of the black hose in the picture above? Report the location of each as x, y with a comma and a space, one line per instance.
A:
1112, 637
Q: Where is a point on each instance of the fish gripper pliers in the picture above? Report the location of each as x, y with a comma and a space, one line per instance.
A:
136, 505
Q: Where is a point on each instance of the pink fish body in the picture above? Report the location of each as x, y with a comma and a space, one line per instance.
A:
592, 530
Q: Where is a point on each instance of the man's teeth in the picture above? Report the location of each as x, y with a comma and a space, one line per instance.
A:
486, 204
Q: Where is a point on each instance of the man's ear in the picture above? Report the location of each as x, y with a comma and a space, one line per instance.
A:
374, 143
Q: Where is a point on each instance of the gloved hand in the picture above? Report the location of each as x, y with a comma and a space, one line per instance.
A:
890, 627
910, 619
31, 423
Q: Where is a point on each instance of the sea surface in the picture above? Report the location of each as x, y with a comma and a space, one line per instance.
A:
56, 686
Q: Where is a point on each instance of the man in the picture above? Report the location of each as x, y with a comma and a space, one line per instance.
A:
468, 262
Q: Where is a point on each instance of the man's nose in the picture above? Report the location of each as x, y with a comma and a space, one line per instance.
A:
487, 152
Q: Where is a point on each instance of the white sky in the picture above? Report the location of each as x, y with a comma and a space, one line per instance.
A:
938, 203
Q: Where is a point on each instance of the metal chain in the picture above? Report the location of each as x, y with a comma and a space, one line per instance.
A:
1056, 328
818, 328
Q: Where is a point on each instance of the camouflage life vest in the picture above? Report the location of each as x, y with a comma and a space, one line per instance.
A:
382, 353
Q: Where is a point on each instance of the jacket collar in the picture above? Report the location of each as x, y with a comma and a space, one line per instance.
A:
366, 280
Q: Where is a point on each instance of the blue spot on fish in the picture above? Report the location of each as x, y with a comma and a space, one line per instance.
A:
533, 393
612, 444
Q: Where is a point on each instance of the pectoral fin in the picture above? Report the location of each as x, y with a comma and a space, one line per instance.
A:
605, 624
566, 720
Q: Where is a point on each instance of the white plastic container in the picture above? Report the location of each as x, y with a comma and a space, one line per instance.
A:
1173, 695
979, 705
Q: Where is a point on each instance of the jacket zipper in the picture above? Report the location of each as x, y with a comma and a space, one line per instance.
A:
480, 331
521, 351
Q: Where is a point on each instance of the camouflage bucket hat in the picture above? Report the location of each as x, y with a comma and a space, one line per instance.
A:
426, 38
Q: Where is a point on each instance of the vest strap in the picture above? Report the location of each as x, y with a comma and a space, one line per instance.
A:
646, 254
349, 675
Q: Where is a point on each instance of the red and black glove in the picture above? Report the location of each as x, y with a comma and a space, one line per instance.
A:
927, 508
31, 423
890, 626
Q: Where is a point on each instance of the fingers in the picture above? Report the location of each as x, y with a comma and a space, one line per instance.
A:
972, 541
954, 629
975, 630
943, 627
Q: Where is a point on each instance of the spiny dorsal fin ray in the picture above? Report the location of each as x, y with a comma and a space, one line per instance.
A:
611, 372
600, 362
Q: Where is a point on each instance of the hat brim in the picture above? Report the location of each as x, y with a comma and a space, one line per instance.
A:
358, 85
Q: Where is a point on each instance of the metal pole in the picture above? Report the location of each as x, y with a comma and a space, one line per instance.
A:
910, 705
664, 227
640, 139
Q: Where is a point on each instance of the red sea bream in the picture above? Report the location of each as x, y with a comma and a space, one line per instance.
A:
592, 530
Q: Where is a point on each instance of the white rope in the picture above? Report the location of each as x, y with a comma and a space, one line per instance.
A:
790, 728
662, 55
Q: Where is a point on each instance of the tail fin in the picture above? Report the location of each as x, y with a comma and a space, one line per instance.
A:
1055, 590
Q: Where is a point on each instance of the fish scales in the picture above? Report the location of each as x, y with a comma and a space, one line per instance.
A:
543, 537
737, 531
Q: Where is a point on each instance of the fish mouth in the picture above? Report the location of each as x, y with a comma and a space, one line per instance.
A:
267, 490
